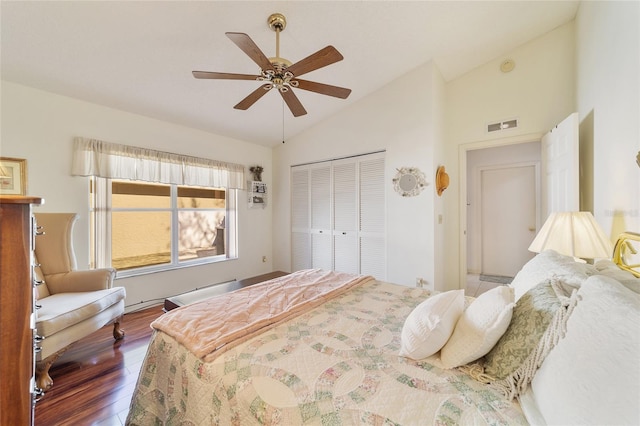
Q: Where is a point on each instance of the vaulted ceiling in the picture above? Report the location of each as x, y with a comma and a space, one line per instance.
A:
137, 56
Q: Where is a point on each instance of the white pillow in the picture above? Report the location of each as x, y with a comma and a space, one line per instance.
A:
549, 264
592, 376
626, 278
430, 324
605, 264
479, 328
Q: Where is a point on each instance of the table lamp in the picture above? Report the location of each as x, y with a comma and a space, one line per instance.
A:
575, 234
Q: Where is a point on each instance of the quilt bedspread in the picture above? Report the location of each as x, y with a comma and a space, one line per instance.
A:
336, 364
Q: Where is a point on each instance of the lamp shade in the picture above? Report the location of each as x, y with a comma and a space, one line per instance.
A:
574, 234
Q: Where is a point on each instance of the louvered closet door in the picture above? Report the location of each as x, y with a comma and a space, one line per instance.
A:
300, 219
345, 213
372, 217
338, 216
321, 250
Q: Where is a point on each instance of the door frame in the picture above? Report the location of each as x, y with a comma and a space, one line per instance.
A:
462, 178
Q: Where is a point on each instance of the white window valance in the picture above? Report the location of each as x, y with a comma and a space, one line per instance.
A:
93, 157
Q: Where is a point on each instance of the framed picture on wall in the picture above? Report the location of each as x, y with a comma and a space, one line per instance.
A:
13, 176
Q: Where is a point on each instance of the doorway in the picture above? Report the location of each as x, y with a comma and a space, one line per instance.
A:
502, 206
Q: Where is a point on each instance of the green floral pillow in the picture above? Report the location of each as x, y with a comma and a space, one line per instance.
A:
531, 318
538, 323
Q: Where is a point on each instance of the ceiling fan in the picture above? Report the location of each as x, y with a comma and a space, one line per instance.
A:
279, 73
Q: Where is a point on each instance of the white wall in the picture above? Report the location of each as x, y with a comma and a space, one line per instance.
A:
608, 100
438, 135
40, 127
539, 92
399, 118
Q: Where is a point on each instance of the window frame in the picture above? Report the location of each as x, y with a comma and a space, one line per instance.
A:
100, 192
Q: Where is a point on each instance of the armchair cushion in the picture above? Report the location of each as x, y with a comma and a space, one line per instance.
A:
63, 310
78, 281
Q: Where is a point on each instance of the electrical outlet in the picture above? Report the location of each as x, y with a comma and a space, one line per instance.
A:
264, 259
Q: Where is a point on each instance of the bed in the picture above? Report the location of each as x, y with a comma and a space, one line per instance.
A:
342, 350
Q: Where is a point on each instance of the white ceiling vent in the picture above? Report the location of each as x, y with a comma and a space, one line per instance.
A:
503, 125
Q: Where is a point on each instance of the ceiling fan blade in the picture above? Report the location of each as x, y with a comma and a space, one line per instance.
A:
321, 58
324, 89
244, 42
253, 97
223, 75
293, 103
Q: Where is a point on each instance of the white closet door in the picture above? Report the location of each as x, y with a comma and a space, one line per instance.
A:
321, 242
321, 197
321, 253
372, 257
345, 213
338, 216
372, 217
300, 219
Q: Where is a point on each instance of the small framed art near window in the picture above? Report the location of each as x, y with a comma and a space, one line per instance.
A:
13, 176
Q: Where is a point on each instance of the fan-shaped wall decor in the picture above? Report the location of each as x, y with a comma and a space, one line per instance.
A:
442, 180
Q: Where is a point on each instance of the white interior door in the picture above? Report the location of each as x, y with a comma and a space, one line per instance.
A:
508, 217
561, 167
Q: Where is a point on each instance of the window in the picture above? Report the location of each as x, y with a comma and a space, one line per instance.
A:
154, 210
140, 227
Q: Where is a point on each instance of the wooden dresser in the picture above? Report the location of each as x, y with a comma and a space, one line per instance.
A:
17, 319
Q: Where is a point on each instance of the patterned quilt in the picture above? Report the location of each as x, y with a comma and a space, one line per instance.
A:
336, 364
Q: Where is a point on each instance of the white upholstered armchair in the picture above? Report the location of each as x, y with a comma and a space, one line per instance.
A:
71, 304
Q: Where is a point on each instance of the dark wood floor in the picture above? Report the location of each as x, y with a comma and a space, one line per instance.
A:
95, 379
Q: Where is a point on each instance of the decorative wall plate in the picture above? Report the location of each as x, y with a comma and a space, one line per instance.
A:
409, 181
